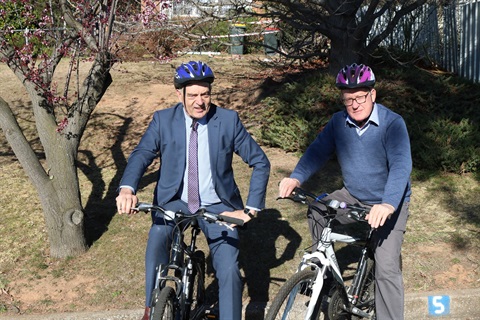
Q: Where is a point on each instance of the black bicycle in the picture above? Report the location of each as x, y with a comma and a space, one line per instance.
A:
179, 291
301, 296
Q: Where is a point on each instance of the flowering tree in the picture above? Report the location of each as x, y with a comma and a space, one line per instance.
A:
34, 37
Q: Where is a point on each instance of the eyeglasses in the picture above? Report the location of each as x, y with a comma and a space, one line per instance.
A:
360, 99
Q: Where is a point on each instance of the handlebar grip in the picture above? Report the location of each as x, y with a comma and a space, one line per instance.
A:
238, 222
148, 207
144, 207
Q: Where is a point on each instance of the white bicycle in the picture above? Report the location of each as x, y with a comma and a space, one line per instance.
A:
300, 297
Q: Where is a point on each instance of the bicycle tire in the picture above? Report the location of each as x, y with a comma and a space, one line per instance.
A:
366, 303
299, 288
163, 304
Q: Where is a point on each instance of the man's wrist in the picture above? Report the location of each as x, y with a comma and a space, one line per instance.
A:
389, 206
127, 188
297, 181
251, 213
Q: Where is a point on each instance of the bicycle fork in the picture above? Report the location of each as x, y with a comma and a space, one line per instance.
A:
326, 263
188, 276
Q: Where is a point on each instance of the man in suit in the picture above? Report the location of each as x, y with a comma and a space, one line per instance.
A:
219, 133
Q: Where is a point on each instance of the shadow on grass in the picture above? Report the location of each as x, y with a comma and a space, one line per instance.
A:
258, 255
100, 209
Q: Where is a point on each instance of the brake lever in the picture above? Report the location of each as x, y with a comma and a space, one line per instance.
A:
215, 219
296, 197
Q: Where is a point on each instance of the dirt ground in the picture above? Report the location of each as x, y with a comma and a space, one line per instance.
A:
137, 91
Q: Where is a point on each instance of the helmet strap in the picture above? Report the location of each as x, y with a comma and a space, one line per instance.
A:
184, 89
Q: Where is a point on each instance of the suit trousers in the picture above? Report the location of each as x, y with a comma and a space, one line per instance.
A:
224, 249
388, 239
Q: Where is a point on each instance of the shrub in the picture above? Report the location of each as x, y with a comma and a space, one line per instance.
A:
292, 119
440, 110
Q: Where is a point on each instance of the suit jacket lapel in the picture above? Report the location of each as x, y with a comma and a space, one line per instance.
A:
213, 123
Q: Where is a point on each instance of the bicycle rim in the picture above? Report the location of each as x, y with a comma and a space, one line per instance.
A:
291, 302
163, 304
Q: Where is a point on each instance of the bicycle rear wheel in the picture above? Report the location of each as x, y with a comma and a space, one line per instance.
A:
163, 304
292, 300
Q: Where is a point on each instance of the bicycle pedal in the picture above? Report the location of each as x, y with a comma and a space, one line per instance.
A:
211, 312
210, 315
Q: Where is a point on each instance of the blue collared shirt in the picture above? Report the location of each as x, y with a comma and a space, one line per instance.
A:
208, 196
376, 166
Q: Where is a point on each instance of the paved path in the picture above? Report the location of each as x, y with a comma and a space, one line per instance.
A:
463, 305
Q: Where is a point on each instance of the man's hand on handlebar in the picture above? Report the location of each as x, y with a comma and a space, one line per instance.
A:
286, 187
378, 214
239, 214
126, 201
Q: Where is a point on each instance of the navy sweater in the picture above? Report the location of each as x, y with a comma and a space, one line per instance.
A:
375, 166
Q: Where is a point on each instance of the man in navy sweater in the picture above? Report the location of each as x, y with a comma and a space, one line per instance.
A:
373, 148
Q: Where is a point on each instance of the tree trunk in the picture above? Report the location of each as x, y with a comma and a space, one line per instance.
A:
61, 199
343, 52
57, 184
64, 218
57, 187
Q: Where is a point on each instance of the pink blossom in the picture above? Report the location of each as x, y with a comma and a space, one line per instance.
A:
61, 126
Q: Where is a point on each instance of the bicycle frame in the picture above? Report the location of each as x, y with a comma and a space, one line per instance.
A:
184, 269
325, 254
302, 293
180, 264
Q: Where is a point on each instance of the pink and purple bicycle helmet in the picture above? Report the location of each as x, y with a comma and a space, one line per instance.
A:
355, 76
193, 71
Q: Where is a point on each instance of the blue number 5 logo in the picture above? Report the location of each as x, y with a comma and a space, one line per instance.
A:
438, 305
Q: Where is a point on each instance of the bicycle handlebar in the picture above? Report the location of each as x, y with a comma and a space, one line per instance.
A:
301, 195
202, 213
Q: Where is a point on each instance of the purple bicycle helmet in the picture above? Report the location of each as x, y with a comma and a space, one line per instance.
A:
193, 71
355, 76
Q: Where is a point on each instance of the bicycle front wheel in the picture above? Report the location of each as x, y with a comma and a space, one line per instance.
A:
163, 304
291, 302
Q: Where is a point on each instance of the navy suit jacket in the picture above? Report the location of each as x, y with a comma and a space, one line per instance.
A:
165, 137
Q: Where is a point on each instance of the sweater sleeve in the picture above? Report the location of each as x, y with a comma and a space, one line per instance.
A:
399, 162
